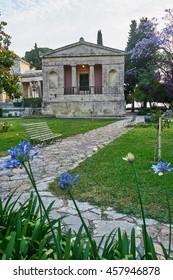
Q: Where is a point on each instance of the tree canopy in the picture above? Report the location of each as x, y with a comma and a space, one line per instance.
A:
8, 82
150, 61
33, 57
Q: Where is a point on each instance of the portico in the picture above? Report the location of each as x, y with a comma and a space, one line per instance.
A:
82, 78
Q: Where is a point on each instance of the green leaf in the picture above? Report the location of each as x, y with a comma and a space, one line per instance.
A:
152, 249
166, 255
77, 240
133, 244
86, 251
68, 245
23, 245
109, 245
125, 244
10, 245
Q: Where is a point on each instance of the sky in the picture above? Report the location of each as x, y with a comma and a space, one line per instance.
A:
57, 23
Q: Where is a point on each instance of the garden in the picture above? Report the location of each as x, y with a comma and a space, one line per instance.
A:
130, 184
105, 179
67, 127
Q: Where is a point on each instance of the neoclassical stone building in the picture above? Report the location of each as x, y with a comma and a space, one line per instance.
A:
83, 79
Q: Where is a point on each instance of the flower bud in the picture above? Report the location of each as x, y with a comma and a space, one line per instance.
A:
130, 158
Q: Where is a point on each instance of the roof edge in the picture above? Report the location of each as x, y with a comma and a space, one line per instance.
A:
82, 42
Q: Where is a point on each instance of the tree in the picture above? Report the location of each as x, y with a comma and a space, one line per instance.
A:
34, 56
99, 38
142, 70
161, 41
8, 82
165, 42
130, 66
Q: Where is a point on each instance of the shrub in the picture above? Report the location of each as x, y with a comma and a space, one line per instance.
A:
32, 102
0, 112
4, 126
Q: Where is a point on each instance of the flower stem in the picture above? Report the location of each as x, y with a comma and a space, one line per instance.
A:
142, 211
41, 204
85, 226
170, 227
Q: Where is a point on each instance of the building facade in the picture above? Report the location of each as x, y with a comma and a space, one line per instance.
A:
83, 79
31, 81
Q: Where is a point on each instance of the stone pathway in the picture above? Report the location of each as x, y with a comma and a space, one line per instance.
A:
56, 159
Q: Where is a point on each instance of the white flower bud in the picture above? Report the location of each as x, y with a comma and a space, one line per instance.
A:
130, 158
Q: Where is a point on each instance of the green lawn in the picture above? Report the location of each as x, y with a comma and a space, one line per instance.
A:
67, 127
107, 180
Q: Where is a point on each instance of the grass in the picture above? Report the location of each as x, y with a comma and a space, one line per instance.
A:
67, 127
107, 180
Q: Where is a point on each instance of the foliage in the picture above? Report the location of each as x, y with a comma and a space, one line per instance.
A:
4, 126
130, 65
0, 112
32, 102
33, 57
23, 234
8, 82
141, 71
99, 38
156, 47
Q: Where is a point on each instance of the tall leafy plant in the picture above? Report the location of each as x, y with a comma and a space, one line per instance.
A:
8, 82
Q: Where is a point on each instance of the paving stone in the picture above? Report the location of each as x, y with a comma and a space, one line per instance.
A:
164, 237
47, 194
112, 215
83, 206
67, 210
89, 215
47, 200
42, 186
74, 222
107, 226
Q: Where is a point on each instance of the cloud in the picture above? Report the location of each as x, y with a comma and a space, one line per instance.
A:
60, 22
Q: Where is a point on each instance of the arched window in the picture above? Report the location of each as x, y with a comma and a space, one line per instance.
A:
112, 78
53, 80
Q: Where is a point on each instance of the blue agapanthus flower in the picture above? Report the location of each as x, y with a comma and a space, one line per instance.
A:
67, 182
20, 154
161, 167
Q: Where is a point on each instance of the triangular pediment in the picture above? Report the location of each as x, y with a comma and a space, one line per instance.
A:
84, 49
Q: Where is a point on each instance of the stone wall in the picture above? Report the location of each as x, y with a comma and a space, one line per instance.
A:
78, 106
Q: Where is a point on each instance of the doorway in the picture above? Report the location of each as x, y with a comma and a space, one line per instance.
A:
84, 81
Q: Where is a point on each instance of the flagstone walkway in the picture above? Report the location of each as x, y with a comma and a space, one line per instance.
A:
62, 156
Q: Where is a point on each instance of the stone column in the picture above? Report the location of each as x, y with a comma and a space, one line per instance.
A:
31, 93
91, 79
39, 89
73, 67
